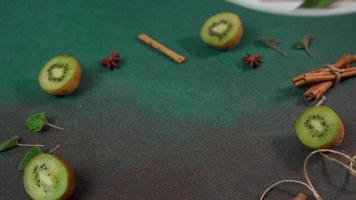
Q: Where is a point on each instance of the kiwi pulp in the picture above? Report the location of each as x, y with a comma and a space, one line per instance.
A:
222, 31
60, 75
320, 127
47, 177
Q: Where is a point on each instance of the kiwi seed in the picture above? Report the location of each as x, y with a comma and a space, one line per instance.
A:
56, 66
225, 23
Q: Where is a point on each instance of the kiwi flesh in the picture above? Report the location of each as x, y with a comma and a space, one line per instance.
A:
60, 75
47, 177
320, 127
222, 31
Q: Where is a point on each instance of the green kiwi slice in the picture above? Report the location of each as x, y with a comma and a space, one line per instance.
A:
222, 31
60, 75
48, 178
319, 127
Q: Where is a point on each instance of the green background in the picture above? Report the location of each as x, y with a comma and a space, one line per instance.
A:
211, 128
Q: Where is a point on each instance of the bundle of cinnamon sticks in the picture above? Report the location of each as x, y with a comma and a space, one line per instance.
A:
324, 78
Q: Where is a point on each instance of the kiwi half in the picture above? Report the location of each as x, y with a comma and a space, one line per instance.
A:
320, 127
60, 75
47, 177
222, 31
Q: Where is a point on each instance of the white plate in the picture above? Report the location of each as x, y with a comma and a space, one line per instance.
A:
290, 7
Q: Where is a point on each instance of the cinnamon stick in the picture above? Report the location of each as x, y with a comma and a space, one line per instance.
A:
317, 91
325, 76
345, 60
311, 79
323, 72
160, 47
299, 83
320, 77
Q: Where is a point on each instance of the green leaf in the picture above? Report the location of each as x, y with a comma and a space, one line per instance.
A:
8, 144
33, 152
36, 122
316, 3
305, 44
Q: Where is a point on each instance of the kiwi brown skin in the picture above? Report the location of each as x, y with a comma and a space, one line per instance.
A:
71, 180
233, 42
338, 138
69, 87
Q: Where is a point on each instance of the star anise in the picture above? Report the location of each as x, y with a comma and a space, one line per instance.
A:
252, 60
111, 61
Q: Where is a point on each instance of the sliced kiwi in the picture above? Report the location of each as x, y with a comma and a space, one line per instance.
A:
320, 127
60, 75
222, 31
47, 177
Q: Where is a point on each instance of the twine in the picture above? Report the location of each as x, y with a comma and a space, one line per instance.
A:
54, 149
308, 184
321, 101
336, 71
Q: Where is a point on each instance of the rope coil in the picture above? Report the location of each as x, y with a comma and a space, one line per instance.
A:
308, 184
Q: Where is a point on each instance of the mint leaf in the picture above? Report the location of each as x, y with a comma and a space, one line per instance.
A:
33, 152
316, 3
10, 143
13, 142
37, 122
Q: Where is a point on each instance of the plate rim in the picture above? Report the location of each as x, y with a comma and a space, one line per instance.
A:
296, 12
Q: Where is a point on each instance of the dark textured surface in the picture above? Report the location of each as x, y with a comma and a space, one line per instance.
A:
208, 129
